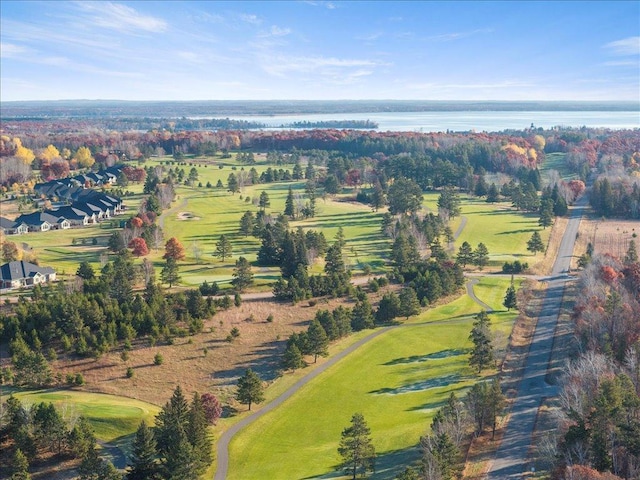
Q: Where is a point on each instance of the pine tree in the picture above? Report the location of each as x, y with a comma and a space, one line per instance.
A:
535, 244
465, 254
264, 201
289, 205
482, 351
493, 195
143, 464
409, 303
362, 315
198, 435
232, 183
173, 417
481, 256
20, 466
242, 276
546, 213
356, 447
632, 254
317, 340
224, 248
250, 389
388, 308
334, 262
510, 298
247, 223
496, 404
292, 358
169, 273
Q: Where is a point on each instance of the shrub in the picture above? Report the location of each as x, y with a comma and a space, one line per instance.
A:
129, 372
158, 360
78, 379
270, 318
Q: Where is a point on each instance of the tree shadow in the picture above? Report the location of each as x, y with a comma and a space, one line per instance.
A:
431, 356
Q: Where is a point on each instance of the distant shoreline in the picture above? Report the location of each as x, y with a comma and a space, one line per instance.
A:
216, 108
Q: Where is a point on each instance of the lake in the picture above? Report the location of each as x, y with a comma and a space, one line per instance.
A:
462, 121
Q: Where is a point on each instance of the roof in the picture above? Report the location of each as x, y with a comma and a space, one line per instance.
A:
18, 270
38, 218
70, 213
6, 223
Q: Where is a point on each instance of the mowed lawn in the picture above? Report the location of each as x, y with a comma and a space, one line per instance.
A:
110, 416
396, 381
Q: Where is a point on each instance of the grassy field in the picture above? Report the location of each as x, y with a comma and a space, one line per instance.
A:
411, 370
502, 229
556, 161
111, 416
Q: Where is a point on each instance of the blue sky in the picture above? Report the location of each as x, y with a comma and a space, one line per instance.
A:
148, 50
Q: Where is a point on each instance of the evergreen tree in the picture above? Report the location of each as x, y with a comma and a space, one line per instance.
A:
546, 213
292, 358
317, 340
449, 202
481, 256
362, 315
356, 448
632, 254
85, 271
247, 223
334, 262
169, 273
482, 351
232, 183
264, 201
496, 404
224, 248
465, 254
180, 461
405, 196
20, 466
388, 308
143, 464
510, 298
171, 420
409, 303
242, 275
289, 205
250, 389
493, 195
198, 435
535, 244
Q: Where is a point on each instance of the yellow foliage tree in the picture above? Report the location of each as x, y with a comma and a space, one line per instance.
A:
24, 154
49, 153
84, 158
66, 153
538, 142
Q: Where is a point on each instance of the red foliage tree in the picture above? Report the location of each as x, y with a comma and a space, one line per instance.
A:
173, 249
212, 407
608, 273
139, 247
137, 222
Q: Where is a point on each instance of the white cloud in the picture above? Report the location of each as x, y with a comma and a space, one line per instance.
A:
447, 37
250, 18
122, 18
280, 65
471, 86
11, 50
275, 31
621, 63
624, 47
327, 5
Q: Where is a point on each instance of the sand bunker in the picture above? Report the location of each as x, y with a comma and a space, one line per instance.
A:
187, 216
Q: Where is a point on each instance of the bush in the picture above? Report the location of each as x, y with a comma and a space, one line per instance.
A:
374, 286
270, 318
158, 360
78, 379
129, 372
312, 303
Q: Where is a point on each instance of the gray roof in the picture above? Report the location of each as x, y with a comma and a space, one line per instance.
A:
38, 218
18, 270
7, 224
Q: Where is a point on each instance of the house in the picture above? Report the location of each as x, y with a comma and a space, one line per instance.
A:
75, 216
39, 221
24, 274
9, 227
90, 209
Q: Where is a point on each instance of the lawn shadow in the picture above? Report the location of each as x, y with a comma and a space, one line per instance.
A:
431, 356
437, 382
265, 361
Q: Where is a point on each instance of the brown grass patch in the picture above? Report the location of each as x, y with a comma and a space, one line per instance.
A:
607, 236
545, 265
259, 347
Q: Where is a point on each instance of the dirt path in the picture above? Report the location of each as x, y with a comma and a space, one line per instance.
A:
512, 456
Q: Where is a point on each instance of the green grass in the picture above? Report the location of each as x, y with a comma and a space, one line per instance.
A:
110, 416
411, 370
556, 161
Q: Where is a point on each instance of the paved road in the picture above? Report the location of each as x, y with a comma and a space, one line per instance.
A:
472, 294
511, 458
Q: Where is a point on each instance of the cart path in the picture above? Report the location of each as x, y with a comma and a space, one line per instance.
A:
511, 459
222, 452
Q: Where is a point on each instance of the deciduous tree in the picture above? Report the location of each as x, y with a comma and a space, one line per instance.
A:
173, 249
138, 247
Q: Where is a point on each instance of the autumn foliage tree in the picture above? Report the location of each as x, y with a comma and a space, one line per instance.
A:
138, 247
173, 249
